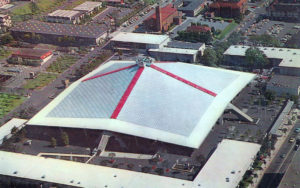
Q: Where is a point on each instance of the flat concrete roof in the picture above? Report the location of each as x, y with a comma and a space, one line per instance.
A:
88, 6
230, 160
290, 57
175, 51
140, 38
230, 156
65, 13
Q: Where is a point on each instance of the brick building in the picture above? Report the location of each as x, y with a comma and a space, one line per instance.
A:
32, 57
163, 18
229, 9
284, 10
198, 28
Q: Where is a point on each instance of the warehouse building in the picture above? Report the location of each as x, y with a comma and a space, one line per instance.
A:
65, 16
138, 41
32, 57
88, 7
61, 34
286, 59
163, 18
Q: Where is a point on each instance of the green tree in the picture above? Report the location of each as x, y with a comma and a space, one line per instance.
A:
65, 138
34, 7
270, 95
265, 40
209, 57
255, 58
53, 142
6, 39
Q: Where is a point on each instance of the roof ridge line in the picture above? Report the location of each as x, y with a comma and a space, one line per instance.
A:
183, 80
107, 73
127, 93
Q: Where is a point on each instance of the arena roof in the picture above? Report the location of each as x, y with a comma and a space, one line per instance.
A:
171, 102
229, 156
140, 38
290, 57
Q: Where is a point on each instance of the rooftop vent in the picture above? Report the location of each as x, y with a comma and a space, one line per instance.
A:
144, 61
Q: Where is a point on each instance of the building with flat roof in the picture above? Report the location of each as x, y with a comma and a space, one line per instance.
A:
88, 7
287, 59
28, 56
174, 54
198, 28
284, 10
62, 34
142, 100
126, 40
65, 16
163, 18
230, 161
231, 8
192, 7
114, 1
282, 84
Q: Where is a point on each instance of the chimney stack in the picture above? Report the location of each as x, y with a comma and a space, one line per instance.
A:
158, 19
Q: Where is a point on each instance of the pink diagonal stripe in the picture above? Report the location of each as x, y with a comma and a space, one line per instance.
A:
184, 80
127, 93
100, 75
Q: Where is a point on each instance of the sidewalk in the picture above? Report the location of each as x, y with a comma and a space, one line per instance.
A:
269, 160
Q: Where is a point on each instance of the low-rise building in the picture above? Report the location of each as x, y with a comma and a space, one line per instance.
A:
284, 10
138, 41
192, 7
65, 16
286, 59
174, 54
229, 8
113, 2
88, 7
282, 84
187, 45
163, 18
56, 33
32, 57
5, 22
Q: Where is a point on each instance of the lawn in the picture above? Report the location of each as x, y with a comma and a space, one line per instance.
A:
40, 81
4, 53
227, 30
8, 102
62, 63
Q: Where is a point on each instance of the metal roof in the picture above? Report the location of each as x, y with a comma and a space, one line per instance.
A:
175, 50
172, 102
65, 13
140, 38
84, 31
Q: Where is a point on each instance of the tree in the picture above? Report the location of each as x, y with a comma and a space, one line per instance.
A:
6, 39
65, 138
14, 130
255, 58
270, 95
53, 142
33, 7
213, 30
209, 57
235, 38
265, 40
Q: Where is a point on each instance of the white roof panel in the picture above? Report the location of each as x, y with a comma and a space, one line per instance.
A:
88, 6
175, 50
161, 105
230, 160
7, 127
140, 38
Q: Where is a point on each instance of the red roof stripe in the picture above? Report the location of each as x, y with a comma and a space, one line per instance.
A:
100, 75
184, 80
127, 93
